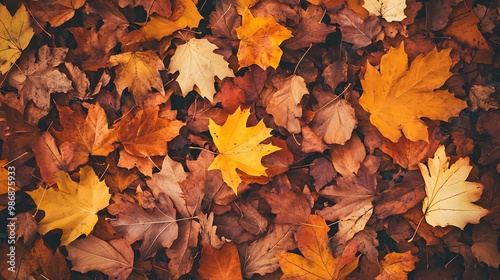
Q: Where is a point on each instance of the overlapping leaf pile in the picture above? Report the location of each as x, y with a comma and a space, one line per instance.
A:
318, 139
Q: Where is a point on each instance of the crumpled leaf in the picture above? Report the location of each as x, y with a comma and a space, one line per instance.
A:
198, 65
239, 147
15, 35
223, 263
317, 262
397, 97
390, 10
137, 71
38, 77
449, 197
114, 258
260, 40
284, 104
480, 98
397, 265
72, 206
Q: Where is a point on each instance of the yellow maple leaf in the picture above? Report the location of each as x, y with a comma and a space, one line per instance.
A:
15, 35
397, 97
449, 197
260, 40
138, 71
197, 65
239, 147
72, 206
318, 261
185, 14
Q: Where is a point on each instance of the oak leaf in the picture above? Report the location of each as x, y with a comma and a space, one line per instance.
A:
239, 147
260, 40
137, 71
390, 10
114, 258
91, 131
145, 134
223, 263
449, 197
397, 265
157, 228
72, 206
184, 14
317, 262
284, 104
15, 35
397, 97
198, 65
56, 12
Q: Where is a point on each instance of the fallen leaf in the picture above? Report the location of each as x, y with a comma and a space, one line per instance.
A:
55, 12
328, 4
198, 65
397, 265
284, 104
16, 35
449, 197
260, 40
146, 134
437, 13
317, 262
72, 206
397, 97
163, 8
484, 246
156, 229
114, 258
222, 263
37, 76
334, 118
261, 256
184, 14
390, 10
357, 31
309, 30
242, 149
91, 131
139, 72
348, 158
322, 171
480, 98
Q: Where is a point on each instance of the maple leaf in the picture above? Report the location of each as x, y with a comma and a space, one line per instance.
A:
145, 134
157, 229
90, 131
396, 97
184, 14
260, 40
37, 76
390, 10
284, 104
317, 262
56, 12
397, 265
449, 197
197, 65
223, 263
15, 35
239, 147
114, 258
138, 71
72, 206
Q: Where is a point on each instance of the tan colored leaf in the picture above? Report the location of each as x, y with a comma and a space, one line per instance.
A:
390, 10
114, 258
449, 197
284, 104
198, 65
480, 98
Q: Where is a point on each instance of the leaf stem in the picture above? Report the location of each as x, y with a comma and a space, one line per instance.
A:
416, 229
